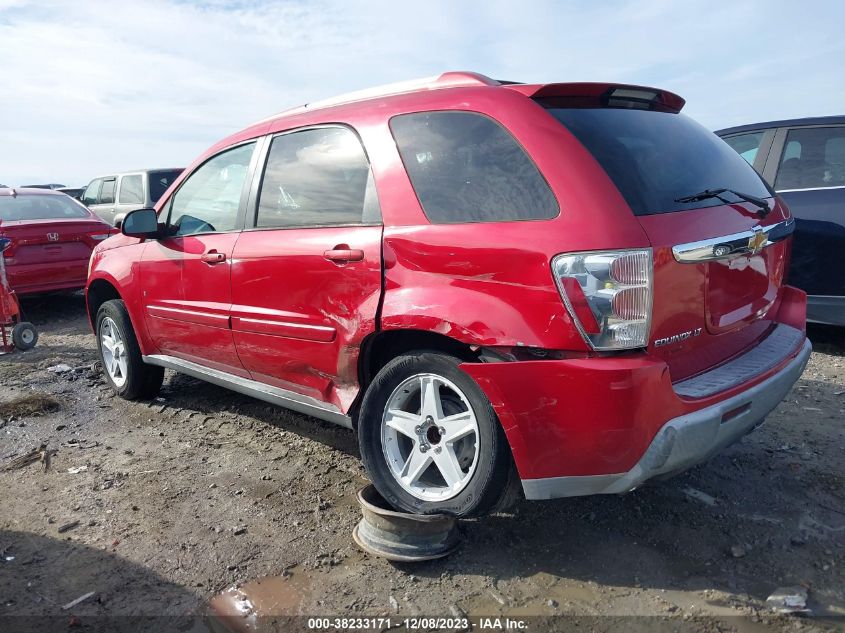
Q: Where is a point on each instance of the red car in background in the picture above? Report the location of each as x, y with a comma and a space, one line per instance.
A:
574, 286
52, 236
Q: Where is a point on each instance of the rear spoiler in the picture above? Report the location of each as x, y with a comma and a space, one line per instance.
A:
604, 95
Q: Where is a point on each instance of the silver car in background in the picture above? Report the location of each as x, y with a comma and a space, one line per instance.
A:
112, 197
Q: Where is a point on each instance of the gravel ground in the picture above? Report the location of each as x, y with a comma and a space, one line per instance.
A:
172, 501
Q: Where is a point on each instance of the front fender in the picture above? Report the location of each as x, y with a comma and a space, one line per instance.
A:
120, 269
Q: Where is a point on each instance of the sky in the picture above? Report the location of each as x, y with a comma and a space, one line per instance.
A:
88, 87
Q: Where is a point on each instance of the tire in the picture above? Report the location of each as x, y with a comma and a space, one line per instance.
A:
128, 375
24, 335
511, 494
419, 469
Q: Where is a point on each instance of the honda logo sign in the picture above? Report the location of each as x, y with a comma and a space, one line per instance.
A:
53, 237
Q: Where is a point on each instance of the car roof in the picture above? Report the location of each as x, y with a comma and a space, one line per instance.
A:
461, 79
116, 174
818, 120
451, 85
29, 191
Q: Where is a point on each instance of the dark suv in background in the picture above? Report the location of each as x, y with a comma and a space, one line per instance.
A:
804, 161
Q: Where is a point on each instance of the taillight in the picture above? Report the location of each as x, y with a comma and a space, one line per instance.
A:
608, 294
99, 237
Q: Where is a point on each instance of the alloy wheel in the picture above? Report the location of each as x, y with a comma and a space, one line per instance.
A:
114, 351
429, 437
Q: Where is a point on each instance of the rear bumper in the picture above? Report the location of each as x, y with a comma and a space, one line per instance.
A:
607, 423
35, 289
827, 309
50, 277
685, 440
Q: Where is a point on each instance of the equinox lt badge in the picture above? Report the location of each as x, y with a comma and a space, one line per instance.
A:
677, 338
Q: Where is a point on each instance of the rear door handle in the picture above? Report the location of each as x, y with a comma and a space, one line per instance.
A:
343, 255
213, 257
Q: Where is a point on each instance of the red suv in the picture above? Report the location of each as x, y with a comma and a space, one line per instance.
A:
572, 284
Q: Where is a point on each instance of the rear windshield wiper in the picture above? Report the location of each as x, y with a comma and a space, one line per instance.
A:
764, 207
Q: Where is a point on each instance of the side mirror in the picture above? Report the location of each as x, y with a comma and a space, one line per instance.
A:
140, 223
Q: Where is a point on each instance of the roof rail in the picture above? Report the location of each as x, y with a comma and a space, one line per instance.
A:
451, 79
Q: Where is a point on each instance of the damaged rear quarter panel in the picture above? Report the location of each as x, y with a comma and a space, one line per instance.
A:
490, 283
480, 284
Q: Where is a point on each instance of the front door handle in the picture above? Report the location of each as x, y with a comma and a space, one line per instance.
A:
342, 254
213, 257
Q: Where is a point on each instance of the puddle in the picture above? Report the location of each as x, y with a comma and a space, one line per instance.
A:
251, 606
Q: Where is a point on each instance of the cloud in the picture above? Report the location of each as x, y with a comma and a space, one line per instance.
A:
94, 87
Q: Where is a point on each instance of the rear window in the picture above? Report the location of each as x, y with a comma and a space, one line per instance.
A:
654, 158
40, 208
466, 168
160, 181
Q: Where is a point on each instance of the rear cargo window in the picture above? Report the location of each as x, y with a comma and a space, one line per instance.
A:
466, 168
654, 158
40, 208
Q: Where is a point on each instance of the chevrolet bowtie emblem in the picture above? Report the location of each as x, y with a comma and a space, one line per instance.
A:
756, 243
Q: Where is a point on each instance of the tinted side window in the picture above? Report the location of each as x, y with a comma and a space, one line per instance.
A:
317, 177
813, 157
92, 191
746, 145
131, 190
466, 168
209, 199
159, 181
107, 192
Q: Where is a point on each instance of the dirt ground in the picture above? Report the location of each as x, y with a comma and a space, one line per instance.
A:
172, 501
